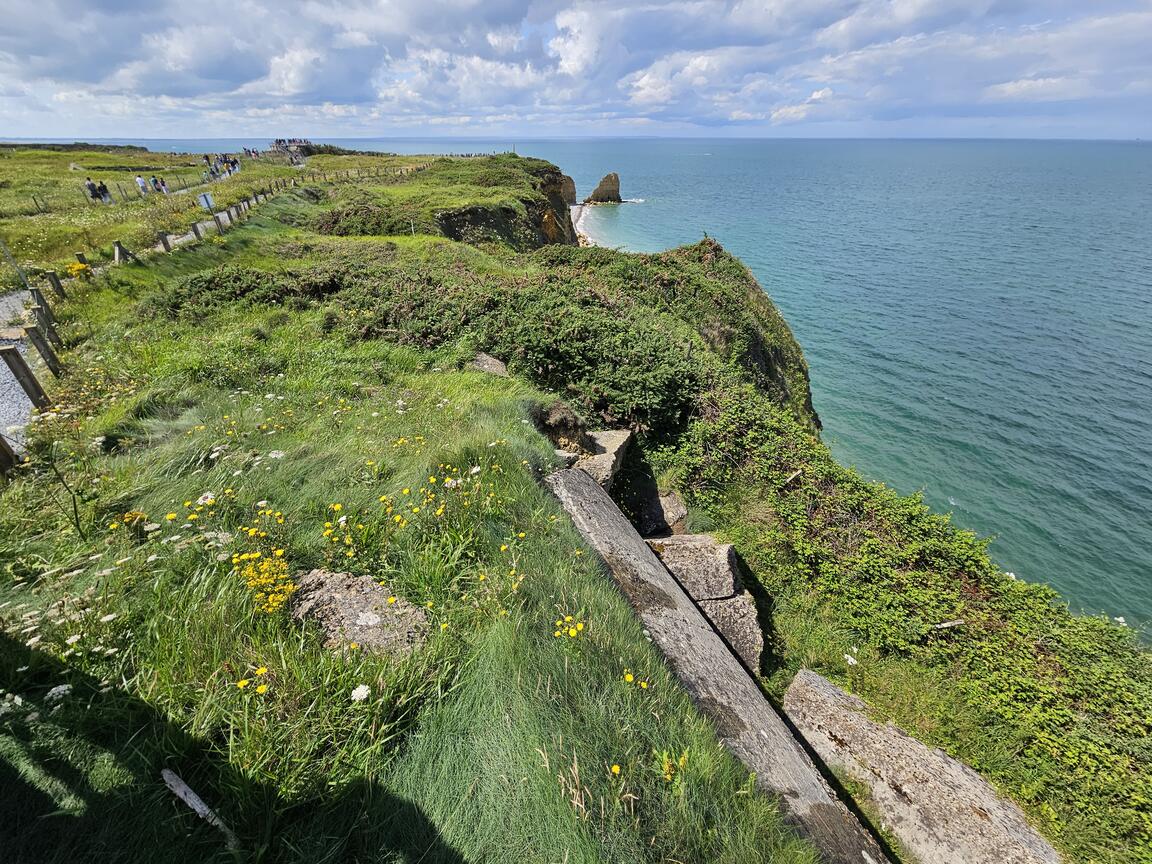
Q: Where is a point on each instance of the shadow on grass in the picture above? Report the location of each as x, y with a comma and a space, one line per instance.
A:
81, 783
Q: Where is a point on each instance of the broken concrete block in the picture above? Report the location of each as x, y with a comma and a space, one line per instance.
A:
566, 457
938, 808
704, 567
661, 515
356, 609
488, 363
608, 449
736, 620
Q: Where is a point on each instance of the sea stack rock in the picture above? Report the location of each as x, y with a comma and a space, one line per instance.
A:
607, 191
568, 190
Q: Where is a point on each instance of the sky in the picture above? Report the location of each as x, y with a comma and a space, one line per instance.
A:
378, 68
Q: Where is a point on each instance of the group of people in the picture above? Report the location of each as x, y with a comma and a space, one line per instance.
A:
98, 191
219, 165
154, 184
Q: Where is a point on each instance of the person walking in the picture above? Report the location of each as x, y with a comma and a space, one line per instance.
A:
155, 183
102, 191
142, 185
91, 187
163, 186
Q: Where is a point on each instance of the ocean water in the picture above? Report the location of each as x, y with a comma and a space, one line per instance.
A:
977, 317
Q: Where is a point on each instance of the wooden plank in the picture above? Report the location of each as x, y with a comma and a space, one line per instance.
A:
11, 355
746, 722
54, 281
41, 344
8, 458
46, 326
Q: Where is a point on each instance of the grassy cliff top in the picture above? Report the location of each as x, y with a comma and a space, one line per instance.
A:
297, 385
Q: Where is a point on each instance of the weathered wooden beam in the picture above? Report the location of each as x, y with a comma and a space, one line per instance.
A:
54, 281
196, 231
219, 223
120, 254
38, 300
164, 241
41, 345
81, 257
46, 325
746, 722
11, 355
8, 458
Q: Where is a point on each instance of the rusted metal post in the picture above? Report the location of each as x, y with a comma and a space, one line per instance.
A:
41, 344
11, 355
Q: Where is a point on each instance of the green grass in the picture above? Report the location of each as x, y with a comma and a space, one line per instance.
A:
46, 215
494, 743
477, 743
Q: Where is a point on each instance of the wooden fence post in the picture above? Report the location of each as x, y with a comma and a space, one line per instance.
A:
47, 326
196, 231
8, 458
38, 299
54, 281
219, 224
11, 355
163, 235
120, 254
41, 344
123, 194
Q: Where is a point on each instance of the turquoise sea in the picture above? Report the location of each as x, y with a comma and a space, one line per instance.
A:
977, 316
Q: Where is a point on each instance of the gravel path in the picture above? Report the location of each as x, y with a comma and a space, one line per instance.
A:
14, 405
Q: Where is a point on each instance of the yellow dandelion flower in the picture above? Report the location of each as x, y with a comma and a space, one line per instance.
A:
616, 770
242, 683
572, 631
629, 677
262, 688
643, 685
337, 507
263, 670
391, 600
170, 516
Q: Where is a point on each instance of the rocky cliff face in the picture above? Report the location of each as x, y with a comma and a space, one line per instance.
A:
545, 219
607, 191
568, 190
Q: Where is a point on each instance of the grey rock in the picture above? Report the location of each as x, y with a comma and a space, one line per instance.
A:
938, 808
736, 620
491, 365
351, 608
567, 457
661, 515
607, 191
704, 567
608, 448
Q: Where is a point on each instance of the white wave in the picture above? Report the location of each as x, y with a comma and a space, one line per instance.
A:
633, 200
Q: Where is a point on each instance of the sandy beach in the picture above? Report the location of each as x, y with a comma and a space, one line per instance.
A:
579, 211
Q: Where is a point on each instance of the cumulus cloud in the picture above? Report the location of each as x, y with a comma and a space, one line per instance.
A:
356, 67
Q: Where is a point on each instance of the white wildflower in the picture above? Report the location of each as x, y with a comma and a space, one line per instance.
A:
850, 659
206, 499
72, 640
361, 693
276, 454
111, 616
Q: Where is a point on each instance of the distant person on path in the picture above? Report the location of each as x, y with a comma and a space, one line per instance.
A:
91, 187
163, 186
142, 184
102, 191
155, 183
